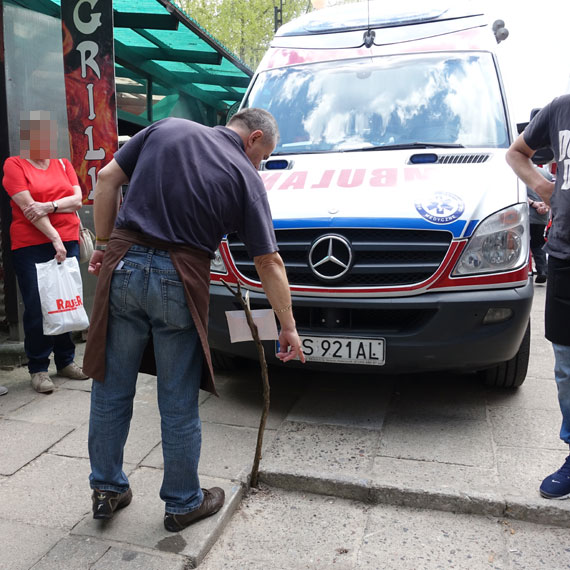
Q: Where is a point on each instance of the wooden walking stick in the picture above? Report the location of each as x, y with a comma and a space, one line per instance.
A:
253, 481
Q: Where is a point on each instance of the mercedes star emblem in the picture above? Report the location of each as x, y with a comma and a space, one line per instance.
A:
330, 257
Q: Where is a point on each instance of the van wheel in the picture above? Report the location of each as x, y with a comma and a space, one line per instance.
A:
222, 361
510, 374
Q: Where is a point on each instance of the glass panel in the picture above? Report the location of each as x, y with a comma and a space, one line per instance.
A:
376, 102
34, 71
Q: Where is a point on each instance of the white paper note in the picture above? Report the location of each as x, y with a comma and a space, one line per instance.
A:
264, 319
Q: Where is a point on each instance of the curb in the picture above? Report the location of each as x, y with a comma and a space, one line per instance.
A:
12, 354
534, 510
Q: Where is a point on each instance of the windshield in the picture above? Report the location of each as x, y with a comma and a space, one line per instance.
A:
447, 99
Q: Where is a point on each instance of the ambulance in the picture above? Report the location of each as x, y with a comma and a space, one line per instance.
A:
404, 232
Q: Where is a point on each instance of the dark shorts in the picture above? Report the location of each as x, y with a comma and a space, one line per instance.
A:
557, 310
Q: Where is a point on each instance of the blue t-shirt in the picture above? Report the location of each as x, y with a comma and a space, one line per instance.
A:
191, 184
551, 128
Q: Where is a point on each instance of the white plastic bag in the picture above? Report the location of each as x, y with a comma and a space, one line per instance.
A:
61, 296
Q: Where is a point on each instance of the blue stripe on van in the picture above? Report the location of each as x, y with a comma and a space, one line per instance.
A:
470, 228
456, 228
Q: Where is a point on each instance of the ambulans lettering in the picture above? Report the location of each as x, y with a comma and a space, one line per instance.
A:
344, 178
325, 181
349, 178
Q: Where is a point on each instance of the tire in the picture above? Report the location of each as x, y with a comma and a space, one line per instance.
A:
222, 361
510, 374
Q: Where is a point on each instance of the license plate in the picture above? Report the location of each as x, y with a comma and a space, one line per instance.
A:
369, 351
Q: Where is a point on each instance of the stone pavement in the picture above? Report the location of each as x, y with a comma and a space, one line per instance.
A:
427, 446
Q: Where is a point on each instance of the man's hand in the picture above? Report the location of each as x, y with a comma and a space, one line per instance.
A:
290, 346
96, 262
540, 207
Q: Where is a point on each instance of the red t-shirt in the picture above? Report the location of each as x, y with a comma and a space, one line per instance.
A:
48, 185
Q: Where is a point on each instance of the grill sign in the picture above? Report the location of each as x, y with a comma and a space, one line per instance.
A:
87, 27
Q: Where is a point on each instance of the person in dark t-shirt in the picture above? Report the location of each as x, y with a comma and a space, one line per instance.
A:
189, 185
551, 128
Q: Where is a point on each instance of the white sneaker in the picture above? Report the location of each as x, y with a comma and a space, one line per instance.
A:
73, 372
41, 382
3, 390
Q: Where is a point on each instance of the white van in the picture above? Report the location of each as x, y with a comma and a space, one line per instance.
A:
403, 230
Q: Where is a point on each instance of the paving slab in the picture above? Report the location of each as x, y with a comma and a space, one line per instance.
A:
227, 451
130, 559
63, 407
364, 409
535, 394
22, 545
73, 553
437, 438
141, 523
527, 428
535, 548
408, 539
19, 394
521, 471
431, 479
274, 529
243, 408
445, 395
322, 451
26, 441
50, 491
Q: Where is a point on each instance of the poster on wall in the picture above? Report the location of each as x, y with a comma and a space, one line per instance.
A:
88, 59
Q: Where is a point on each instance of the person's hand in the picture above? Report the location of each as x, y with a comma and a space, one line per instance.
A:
290, 346
96, 262
60, 251
540, 207
36, 210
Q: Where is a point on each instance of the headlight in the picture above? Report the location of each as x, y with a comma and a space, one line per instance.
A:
500, 243
217, 264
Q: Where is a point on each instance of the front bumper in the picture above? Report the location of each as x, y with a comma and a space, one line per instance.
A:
428, 332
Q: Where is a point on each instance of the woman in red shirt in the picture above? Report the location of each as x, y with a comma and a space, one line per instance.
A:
45, 197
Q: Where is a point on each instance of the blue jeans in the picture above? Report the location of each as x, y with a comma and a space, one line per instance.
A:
147, 298
562, 375
38, 346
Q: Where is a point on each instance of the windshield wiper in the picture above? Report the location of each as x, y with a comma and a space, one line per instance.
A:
404, 146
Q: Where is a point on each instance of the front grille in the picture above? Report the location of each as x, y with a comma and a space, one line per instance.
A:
381, 257
352, 321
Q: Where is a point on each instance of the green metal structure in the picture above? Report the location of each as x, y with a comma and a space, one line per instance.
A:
166, 64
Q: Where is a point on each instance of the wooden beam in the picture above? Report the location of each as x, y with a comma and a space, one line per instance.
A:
129, 57
148, 21
213, 79
136, 119
181, 55
141, 89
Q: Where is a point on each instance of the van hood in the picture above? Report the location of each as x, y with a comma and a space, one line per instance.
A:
390, 189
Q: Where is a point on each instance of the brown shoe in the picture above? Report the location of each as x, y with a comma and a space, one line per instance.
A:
73, 372
105, 503
212, 503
